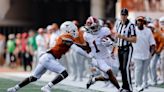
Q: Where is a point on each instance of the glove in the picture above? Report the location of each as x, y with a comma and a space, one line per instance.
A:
107, 42
113, 56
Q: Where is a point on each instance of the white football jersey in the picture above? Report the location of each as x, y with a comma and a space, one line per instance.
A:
98, 50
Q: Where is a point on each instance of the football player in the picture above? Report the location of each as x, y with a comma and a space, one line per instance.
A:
94, 36
49, 60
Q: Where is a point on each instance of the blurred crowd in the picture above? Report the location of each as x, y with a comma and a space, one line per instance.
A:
145, 5
23, 50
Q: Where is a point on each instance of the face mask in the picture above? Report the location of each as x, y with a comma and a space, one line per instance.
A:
74, 34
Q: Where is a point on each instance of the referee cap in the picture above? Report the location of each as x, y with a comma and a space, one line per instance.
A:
124, 11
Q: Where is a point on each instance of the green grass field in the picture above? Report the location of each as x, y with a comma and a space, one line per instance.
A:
5, 83
160, 86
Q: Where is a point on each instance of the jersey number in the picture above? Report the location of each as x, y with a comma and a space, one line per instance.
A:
97, 50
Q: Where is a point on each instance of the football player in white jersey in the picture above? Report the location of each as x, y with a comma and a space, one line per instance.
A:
95, 36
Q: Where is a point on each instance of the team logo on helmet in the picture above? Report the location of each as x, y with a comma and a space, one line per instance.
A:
69, 27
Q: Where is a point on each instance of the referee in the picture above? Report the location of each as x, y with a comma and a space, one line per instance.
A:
126, 35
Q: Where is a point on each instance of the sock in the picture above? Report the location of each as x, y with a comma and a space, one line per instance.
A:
50, 84
101, 78
17, 87
94, 79
120, 89
57, 79
113, 79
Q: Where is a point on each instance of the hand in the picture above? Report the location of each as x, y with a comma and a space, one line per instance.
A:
120, 36
107, 41
112, 55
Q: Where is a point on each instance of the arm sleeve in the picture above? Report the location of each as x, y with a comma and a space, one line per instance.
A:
80, 51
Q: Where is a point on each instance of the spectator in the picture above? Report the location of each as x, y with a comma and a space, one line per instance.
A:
10, 49
161, 22
156, 25
32, 41
143, 49
55, 32
2, 49
18, 49
148, 20
41, 42
26, 56
31, 48
159, 46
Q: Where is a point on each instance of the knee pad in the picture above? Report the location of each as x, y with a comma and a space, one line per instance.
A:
64, 74
32, 78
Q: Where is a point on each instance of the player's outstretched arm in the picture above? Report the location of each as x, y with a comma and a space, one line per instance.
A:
84, 47
80, 51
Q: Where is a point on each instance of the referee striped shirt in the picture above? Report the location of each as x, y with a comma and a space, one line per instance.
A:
127, 29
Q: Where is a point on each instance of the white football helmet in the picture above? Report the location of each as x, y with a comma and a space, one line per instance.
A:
93, 24
69, 27
161, 22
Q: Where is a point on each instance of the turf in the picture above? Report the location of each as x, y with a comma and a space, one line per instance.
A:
160, 86
5, 83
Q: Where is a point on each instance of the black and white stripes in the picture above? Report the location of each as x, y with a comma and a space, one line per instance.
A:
125, 51
127, 29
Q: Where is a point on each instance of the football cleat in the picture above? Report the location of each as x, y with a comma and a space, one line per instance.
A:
12, 89
140, 89
123, 90
46, 89
90, 82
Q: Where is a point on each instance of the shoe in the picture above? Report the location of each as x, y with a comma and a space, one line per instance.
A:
46, 89
75, 78
122, 90
90, 82
12, 89
139, 89
107, 84
145, 86
161, 82
153, 83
